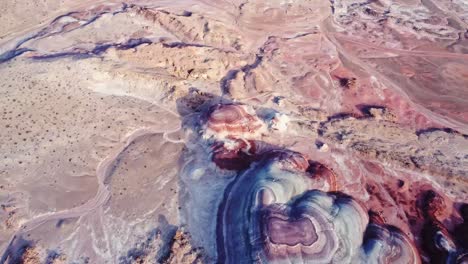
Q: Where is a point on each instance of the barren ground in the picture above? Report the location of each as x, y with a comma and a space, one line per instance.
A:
106, 150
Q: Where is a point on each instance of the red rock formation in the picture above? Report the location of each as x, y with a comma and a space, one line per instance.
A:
237, 154
233, 121
437, 240
320, 172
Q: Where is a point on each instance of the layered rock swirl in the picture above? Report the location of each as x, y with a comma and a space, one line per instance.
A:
387, 244
274, 211
270, 215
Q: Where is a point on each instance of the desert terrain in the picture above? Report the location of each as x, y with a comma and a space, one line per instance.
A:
215, 131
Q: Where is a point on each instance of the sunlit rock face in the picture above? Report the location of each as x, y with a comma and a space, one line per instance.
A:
233, 121
231, 130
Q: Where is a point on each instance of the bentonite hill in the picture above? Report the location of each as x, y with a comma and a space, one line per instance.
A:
250, 131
